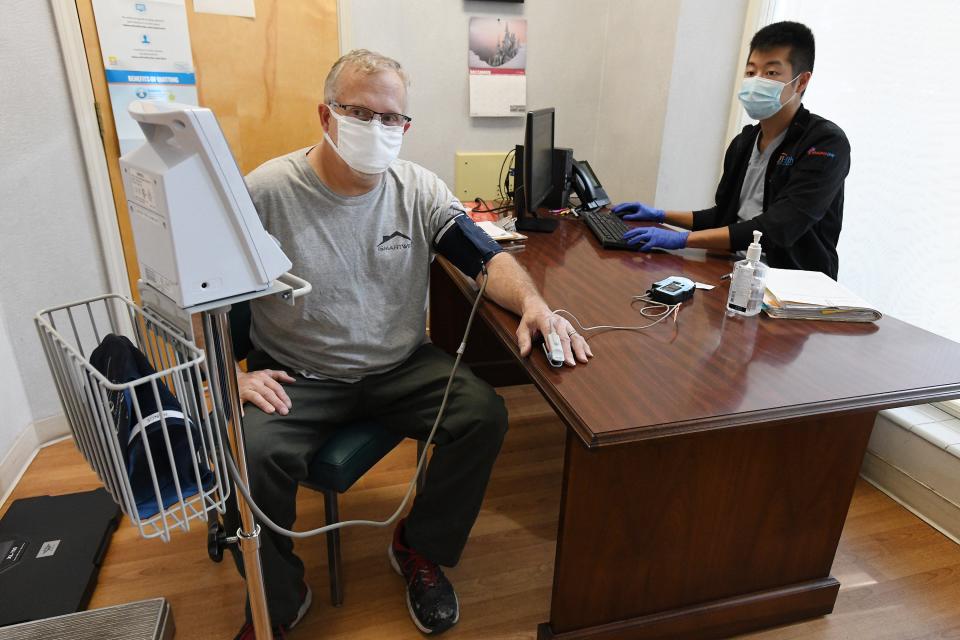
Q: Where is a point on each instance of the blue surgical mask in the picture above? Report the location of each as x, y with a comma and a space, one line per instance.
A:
760, 97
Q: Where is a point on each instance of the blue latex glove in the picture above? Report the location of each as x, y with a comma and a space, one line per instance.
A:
656, 238
639, 211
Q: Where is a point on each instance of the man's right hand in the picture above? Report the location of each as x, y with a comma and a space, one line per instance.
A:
263, 389
639, 211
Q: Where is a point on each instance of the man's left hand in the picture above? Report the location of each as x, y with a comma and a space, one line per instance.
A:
540, 320
656, 238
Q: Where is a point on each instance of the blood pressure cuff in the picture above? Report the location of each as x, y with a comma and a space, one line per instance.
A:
121, 363
465, 244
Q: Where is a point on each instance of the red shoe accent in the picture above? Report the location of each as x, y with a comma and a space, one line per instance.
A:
411, 562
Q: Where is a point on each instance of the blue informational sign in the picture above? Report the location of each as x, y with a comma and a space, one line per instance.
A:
146, 56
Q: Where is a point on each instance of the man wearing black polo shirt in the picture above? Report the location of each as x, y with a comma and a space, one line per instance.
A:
783, 176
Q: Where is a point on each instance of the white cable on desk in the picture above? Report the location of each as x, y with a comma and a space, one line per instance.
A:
668, 310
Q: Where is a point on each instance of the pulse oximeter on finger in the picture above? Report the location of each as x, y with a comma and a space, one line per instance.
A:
553, 349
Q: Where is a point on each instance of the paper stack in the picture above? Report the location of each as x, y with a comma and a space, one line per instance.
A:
812, 295
498, 233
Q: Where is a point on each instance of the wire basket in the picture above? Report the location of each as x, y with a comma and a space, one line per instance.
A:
150, 439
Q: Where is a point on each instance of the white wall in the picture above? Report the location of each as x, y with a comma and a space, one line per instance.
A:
604, 64
13, 395
638, 46
900, 246
49, 253
705, 70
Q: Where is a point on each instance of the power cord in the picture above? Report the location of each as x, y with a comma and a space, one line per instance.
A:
503, 188
262, 517
487, 208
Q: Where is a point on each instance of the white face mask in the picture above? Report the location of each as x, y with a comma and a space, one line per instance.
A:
367, 147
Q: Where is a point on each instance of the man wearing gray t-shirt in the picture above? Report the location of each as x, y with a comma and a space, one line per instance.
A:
362, 227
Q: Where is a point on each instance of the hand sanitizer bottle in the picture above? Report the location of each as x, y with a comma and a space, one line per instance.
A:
746, 285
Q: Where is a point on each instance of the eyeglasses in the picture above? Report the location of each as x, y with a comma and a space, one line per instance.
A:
366, 115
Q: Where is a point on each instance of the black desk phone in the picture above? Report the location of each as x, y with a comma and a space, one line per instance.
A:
588, 187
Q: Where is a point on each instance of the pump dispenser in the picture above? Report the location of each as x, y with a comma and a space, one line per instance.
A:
747, 283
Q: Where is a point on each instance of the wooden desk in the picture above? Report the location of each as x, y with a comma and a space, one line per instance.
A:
709, 466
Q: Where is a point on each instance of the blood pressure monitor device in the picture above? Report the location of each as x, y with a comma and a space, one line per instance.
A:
672, 290
198, 235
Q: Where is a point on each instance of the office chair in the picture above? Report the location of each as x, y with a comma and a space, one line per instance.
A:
341, 461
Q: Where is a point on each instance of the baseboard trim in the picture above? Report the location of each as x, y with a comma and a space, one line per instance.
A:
913, 495
718, 619
36, 436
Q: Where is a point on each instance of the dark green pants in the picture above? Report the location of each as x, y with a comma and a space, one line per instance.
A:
404, 400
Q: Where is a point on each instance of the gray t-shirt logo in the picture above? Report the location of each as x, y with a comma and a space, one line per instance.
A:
394, 241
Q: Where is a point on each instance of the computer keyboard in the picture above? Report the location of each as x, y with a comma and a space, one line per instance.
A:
608, 228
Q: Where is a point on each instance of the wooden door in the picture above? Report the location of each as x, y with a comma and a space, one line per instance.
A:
262, 78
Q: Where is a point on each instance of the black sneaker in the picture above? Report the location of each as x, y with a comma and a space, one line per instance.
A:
306, 599
280, 631
431, 600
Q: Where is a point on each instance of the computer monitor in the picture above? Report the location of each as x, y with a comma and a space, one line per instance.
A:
534, 164
198, 235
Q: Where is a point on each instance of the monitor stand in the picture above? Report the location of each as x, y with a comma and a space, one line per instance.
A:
540, 225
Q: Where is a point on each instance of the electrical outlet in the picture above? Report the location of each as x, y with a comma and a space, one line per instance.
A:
478, 174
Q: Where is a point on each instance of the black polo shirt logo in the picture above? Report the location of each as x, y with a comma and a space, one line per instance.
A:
813, 151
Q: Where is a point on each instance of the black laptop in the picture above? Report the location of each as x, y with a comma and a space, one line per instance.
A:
51, 548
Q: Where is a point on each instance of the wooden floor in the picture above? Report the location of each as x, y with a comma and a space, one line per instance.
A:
900, 578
